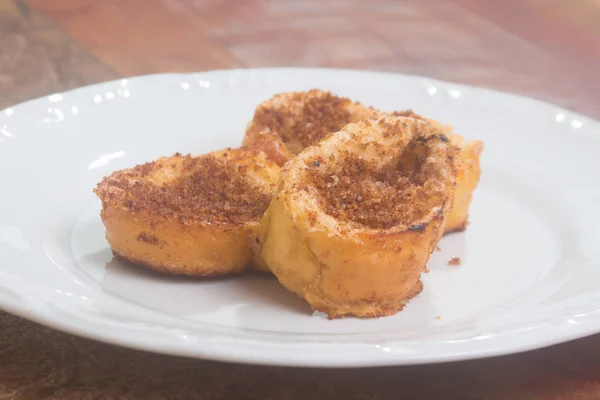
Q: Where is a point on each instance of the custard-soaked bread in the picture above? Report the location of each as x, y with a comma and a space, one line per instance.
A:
356, 217
289, 122
189, 215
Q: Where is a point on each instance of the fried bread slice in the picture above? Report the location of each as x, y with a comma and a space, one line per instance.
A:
357, 215
289, 122
189, 215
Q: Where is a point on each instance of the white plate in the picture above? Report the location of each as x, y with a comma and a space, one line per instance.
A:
530, 273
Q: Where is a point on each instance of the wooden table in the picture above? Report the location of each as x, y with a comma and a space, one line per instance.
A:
548, 49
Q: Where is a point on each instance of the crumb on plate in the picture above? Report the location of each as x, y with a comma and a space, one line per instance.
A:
454, 262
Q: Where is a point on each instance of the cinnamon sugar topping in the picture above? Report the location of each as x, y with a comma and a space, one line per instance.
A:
379, 199
206, 190
307, 118
401, 193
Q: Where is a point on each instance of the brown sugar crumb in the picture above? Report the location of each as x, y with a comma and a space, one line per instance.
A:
437, 248
306, 117
148, 238
455, 262
398, 194
207, 190
438, 317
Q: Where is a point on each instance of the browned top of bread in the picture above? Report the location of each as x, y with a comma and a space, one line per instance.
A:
303, 117
381, 173
216, 188
380, 196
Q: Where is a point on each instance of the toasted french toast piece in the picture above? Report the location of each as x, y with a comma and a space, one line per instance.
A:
356, 216
189, 215
289, 122
299, 119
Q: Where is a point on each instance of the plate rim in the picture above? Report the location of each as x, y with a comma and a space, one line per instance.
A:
305, 69
314, 355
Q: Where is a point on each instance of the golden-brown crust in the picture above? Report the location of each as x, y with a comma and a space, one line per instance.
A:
343, 258
268, 142
288, 122
166, 270
467, 180
189, 215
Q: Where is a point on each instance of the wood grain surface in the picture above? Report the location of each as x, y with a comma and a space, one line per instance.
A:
547, 49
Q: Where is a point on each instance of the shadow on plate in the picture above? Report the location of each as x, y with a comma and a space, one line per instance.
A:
192, 297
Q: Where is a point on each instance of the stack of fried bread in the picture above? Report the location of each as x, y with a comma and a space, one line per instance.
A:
343, 203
